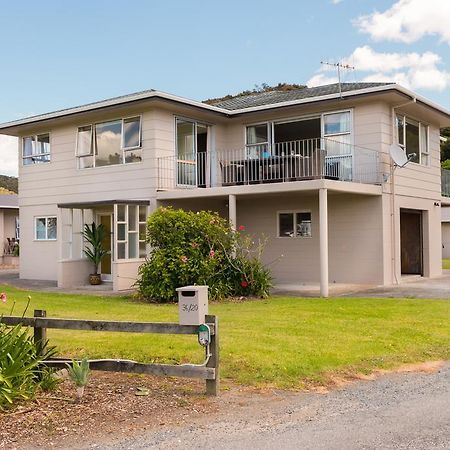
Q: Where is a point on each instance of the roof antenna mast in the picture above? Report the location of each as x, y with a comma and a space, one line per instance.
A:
338, 66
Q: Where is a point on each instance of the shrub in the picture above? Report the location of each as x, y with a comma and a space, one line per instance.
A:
20, 374
199, 248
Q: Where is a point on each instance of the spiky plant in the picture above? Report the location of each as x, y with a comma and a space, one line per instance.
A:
79, 374
94, 235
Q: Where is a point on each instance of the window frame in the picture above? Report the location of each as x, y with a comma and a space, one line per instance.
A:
294, 213
422, 154
272, 123
126, 223
122, 141
46, 239
342, 133
35, 157
268, 143
124, 150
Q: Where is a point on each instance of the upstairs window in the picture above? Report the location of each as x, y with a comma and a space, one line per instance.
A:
412, 136
257, 140
109, 143
36, 149
337, 128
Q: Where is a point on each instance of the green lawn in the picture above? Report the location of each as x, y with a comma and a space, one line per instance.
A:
446, 263
285, 342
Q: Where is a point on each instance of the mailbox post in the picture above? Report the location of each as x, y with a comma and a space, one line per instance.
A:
192, 304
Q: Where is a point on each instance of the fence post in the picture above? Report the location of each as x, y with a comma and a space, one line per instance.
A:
212, 386
40, 334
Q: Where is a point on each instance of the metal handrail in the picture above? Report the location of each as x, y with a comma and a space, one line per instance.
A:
269, 163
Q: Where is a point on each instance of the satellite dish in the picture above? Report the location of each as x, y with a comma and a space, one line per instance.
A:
398, 155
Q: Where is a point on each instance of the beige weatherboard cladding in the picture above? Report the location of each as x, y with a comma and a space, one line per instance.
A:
362, 221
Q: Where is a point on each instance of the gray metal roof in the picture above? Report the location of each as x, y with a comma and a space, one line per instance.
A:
236, 105
273, 97
123, 99
9, 201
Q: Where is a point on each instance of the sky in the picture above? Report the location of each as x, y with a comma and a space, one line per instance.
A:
58, 54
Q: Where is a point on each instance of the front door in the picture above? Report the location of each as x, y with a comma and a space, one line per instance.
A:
105, 265
411, 242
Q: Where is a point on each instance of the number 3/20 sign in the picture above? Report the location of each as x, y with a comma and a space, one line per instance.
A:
189, 307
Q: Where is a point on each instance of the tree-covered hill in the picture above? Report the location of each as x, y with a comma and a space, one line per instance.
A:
9, 183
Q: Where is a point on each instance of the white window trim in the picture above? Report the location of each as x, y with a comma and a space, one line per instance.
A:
46, 239
124, 149
34, 155
427, 152
209, 145
123, 134
271, 124
117, 222
78, 141
403, 146
294, 212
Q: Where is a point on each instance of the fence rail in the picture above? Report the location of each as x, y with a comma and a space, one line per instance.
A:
209, 371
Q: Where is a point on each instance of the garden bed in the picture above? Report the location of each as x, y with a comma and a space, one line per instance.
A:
110, 406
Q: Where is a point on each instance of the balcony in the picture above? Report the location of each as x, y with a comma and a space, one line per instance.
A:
445, 182
282, 162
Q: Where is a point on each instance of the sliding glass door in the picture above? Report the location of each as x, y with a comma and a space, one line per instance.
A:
192, 143
186, 154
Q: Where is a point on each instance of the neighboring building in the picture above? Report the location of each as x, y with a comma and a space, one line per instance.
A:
309, 168
9, 228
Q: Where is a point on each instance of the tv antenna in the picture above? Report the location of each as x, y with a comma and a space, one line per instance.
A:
338, 66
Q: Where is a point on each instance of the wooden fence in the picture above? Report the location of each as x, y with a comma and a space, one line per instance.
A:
208, 371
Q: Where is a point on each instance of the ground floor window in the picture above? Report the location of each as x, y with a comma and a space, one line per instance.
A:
45, 228
130, 231
294, 224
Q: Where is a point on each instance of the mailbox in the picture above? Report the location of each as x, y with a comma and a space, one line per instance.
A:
192, 304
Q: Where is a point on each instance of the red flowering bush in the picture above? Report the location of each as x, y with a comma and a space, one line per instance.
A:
199, 248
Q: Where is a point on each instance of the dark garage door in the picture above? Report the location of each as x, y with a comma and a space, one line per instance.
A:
411, 242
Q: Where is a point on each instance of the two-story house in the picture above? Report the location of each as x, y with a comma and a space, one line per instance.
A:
308, 168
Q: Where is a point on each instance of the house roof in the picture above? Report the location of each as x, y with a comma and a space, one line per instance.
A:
236, 105
274, 97
9, 201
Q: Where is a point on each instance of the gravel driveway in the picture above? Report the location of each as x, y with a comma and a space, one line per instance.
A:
396, 411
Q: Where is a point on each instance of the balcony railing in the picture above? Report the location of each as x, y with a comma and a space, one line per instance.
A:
278, 163
445, 182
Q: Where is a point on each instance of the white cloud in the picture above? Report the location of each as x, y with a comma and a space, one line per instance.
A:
411, 70
408, 21
321, 79
336, 2
8, 155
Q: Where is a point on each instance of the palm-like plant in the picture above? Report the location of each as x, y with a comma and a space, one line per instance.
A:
94, 235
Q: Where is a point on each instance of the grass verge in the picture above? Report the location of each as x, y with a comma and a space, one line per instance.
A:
282, 342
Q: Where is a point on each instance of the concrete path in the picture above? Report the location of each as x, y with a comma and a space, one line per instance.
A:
11, 278
397, 411
412, 287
